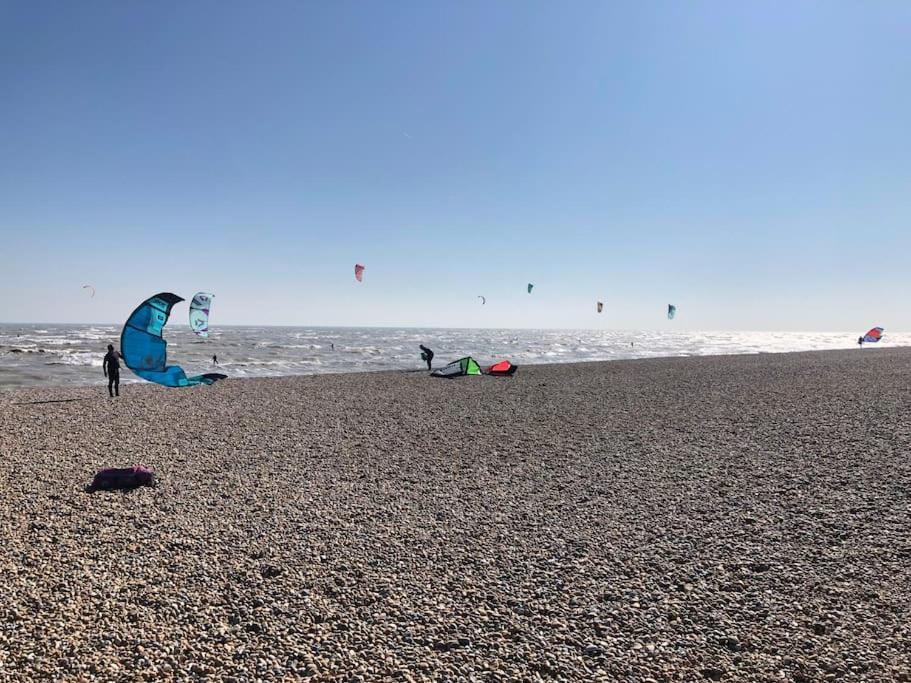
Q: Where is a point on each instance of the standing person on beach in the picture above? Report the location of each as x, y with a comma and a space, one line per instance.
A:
860, 342
111, 368
427, 354
215, 358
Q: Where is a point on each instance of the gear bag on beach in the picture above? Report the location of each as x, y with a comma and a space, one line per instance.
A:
122, 478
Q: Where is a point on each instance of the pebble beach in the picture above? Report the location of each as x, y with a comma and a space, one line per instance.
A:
738, 518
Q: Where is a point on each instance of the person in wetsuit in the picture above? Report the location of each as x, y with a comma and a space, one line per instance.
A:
427, 354
111, 367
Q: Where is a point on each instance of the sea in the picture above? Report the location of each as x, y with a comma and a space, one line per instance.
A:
50, 355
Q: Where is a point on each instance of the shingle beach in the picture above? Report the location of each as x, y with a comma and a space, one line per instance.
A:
741, 518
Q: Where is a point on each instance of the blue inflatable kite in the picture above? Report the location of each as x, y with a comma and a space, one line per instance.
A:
144, 349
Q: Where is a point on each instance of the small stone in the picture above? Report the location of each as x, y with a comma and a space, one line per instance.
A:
445, 645
731, 644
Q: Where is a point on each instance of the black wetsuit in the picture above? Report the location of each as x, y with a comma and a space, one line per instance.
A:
111, 367
427, 355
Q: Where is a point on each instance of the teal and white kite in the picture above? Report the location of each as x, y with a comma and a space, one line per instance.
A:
199, 313
144, 349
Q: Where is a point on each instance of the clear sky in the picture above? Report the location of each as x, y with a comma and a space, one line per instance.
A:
747, 161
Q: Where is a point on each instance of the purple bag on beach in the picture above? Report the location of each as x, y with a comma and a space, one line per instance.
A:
121, 478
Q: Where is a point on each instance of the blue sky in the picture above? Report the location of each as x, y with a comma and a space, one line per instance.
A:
749, 162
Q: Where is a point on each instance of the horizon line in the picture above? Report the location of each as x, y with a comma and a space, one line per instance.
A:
432, 327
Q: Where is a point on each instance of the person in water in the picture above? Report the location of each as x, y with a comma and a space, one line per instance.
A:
111, 368
427, 354
215, 358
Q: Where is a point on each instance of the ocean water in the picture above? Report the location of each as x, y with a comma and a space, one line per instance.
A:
34, 355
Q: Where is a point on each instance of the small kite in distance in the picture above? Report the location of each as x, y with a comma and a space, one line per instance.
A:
671, 311
600, 306
530, 287
199, 313
91, 290
359, 272
483, 300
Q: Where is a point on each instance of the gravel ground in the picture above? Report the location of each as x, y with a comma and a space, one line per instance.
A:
738, 518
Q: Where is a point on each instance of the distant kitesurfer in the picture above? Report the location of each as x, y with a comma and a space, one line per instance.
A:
860, 342
111, 368
215, 358
427, 354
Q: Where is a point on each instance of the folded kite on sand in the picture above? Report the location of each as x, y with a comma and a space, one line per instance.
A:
502, 369
122, 478
458, 368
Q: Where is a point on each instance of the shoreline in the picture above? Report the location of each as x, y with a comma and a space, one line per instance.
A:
134, 380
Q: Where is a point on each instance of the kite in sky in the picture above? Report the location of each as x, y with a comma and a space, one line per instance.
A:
199, 313
91, 290
144, 349
671, 311
530, 287
359, 272
483, 300
600, 306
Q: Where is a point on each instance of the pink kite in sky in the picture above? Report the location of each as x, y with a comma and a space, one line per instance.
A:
359, 272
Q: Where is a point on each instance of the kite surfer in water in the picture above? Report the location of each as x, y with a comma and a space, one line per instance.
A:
111, 368
427, 354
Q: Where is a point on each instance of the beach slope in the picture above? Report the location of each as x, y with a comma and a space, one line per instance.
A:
728, 518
